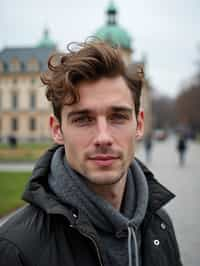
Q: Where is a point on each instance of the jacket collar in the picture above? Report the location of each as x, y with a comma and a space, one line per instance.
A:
158, 194
38, 193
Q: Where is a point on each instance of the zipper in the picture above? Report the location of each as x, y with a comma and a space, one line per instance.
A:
96, 246
93, 241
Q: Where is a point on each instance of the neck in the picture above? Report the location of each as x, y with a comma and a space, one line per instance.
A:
111, 193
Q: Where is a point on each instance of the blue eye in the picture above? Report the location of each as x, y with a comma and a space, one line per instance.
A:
82, 120
117, 117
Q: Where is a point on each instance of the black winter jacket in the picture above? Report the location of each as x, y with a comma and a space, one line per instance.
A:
45, 232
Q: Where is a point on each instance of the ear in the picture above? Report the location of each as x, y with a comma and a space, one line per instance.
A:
55, 128
140, 125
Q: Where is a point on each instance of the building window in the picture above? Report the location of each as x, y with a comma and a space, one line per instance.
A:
1, 67
15, 65
14, 124
14, 100
32, 101
1, 100
33, 65
32, 124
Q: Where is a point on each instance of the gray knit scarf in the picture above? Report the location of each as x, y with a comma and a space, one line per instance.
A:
119, 232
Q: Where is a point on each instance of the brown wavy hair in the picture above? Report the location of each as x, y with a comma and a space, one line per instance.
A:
87, 61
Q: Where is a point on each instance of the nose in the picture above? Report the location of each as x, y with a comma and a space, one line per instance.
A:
103, 136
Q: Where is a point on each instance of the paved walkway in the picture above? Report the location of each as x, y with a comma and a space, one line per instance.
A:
184, 182
13, 167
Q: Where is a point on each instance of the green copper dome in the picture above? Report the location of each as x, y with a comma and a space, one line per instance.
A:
46, 40
112, 32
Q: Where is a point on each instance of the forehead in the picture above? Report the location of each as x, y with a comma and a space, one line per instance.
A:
103, 94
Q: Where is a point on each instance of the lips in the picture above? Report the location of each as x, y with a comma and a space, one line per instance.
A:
104, 160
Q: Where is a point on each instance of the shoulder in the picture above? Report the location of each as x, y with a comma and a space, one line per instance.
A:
24, 234
24, 219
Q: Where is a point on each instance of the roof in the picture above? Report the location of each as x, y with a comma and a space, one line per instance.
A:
114, 34
41, 54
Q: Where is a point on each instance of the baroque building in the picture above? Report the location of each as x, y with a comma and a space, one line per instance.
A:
24, 110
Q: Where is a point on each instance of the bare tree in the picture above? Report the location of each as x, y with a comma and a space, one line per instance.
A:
163, 112
188, 107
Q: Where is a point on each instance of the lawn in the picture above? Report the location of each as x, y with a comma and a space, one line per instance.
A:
23, 152
11, 187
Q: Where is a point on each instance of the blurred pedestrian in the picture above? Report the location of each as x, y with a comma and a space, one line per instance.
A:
148, 147
12, 140
181, 149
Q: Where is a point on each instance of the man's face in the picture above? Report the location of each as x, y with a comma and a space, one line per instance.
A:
100, 131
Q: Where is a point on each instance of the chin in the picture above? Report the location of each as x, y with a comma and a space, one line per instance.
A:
104, 178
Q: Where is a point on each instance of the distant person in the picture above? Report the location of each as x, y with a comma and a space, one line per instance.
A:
181, 148
12, 140
148, 147
91, 202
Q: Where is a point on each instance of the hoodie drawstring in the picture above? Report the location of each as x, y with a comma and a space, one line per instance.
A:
132, 235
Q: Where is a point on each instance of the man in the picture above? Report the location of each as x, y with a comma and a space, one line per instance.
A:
90, 201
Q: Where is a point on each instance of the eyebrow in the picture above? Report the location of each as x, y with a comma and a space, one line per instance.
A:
122, 109
78, 112
89, 111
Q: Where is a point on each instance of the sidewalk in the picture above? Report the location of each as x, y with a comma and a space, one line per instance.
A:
185, 183
16, 166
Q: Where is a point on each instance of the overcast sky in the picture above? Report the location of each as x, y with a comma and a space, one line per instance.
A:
167, 31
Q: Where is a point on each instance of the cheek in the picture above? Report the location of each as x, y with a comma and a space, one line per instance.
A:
127, 142
75, 142
127, 136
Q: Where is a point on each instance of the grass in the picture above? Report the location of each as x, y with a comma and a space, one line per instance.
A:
11, 187
23, 152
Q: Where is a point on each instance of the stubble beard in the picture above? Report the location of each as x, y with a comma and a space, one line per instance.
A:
101, 179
